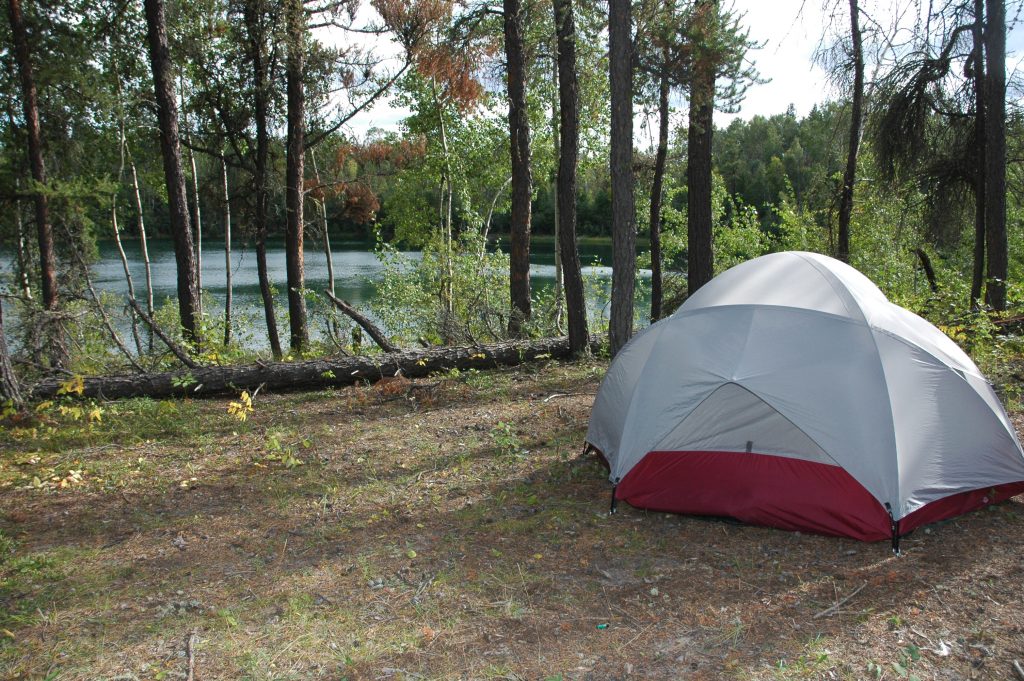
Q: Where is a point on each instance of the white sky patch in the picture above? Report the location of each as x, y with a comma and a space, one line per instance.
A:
786, 60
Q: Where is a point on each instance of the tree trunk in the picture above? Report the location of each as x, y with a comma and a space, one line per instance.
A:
321, 208
522, 181
856, 118
122, 147
978, 274
995, 155
261, 112
656, 191
557, 143
195, 213
167, 114
197, 223
447, 292
23, 256
295, 191
620, 67
568, 159
319, 373
929, 271
143, 243
44, 230
227, 252
699, 228
127, 274
9, 388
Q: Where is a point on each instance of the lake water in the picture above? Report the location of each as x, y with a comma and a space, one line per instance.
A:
356, 272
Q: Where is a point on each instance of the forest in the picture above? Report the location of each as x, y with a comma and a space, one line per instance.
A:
216, 464
229, 121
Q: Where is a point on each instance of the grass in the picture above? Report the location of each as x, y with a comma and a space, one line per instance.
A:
350, 534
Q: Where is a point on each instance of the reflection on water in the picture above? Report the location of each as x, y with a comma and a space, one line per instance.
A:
356, 272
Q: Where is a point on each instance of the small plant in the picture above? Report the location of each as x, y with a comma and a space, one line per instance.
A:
184, 381
242, 408
506, 439
908, 656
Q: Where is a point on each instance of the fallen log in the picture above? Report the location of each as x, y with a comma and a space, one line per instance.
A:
208, 381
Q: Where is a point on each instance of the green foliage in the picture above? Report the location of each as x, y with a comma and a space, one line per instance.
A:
507, 440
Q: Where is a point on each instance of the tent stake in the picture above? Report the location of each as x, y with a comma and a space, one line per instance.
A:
894, 525
611, 509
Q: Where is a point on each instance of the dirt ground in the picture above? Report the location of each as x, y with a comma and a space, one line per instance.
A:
447, 529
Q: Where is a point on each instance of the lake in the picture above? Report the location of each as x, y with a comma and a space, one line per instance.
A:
356, 272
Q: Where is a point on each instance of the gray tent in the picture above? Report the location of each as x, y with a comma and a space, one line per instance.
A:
790, 392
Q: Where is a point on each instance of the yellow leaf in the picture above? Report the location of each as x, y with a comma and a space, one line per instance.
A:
96, 414
8, 633
538, 556
43, 406
75, 384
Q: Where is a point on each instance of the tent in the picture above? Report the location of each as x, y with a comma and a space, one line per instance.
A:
789, 392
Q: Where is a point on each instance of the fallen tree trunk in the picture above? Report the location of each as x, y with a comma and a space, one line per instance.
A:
317, 373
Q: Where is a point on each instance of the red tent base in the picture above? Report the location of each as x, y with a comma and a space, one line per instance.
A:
778, 491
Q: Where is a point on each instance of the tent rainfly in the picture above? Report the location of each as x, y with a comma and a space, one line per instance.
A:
789, 392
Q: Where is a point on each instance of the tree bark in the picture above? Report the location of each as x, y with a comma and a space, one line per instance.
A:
261, 113
9, 388
995, 155
978, 273
44, 230
856, 118
295, 21
620, 68
320, 373
522, 180
699, 228
167, 114
656, 191
568, 99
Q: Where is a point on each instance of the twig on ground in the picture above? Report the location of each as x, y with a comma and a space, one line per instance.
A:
1018, 669
844, 601
630, 641
190, 649
551, 397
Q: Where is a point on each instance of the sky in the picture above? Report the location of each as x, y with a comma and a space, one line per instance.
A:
790, 32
